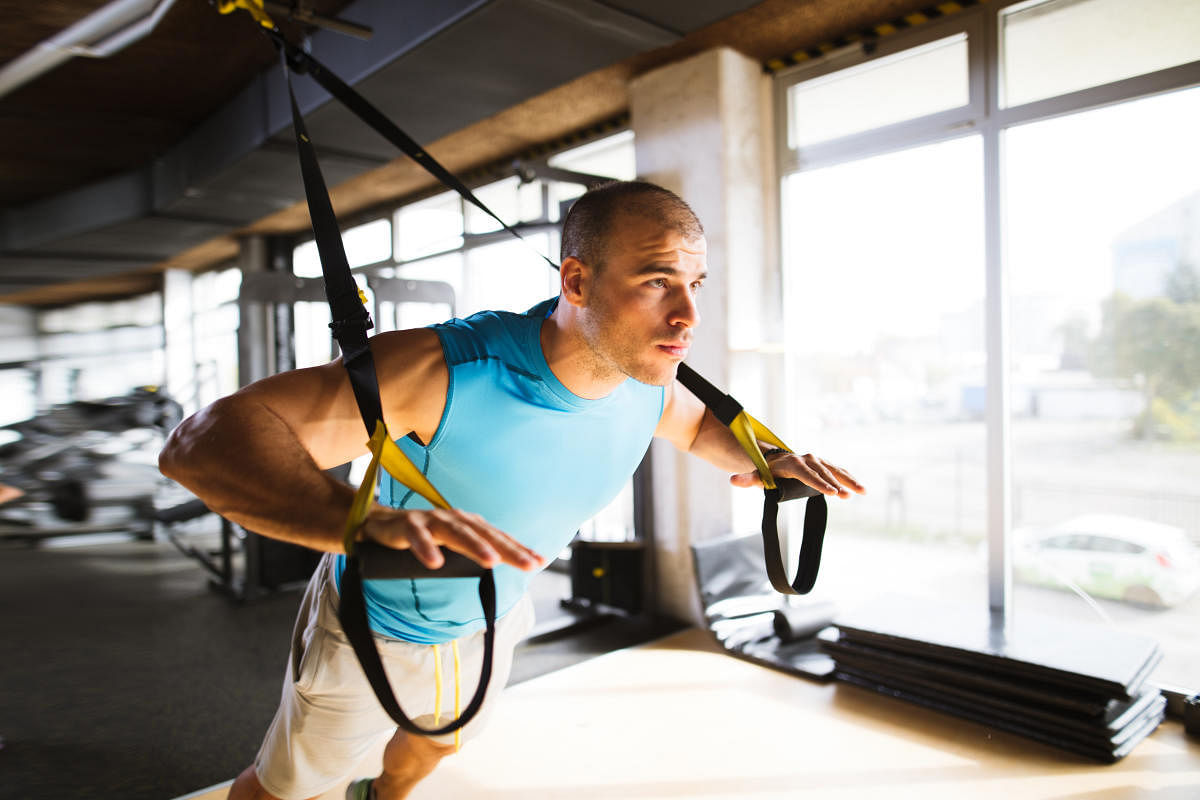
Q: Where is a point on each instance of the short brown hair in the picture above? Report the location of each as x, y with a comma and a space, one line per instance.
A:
589, 222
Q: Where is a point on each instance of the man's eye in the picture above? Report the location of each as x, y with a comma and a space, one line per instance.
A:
659, 283
697, 286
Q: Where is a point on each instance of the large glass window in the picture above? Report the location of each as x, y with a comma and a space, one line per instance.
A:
1103, 239
885, 349
215, 309
102, 349
1057, 239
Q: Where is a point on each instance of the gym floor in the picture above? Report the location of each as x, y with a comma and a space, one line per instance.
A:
124, 675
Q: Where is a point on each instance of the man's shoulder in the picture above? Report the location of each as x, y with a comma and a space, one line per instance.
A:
487, 334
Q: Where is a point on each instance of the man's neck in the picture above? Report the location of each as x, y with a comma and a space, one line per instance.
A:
571, 360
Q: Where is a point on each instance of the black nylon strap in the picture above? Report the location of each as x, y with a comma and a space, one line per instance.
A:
352, 612
350, 318
373, 117
350, 324
724, 407
816, 512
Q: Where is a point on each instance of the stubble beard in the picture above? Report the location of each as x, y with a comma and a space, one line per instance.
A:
614, 355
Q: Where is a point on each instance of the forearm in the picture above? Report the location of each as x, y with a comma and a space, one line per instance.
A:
243, 461
717, 445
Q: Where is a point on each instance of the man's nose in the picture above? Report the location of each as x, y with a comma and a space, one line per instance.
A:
684, 312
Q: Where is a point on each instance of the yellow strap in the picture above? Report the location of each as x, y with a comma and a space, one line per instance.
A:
384, 451
457, 694
365, 494
437, 689
399, 467
437, 686
749, 432
255, 7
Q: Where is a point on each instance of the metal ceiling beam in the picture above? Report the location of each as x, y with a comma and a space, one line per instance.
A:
244, 124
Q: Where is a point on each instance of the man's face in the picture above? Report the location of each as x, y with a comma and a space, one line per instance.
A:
640, 309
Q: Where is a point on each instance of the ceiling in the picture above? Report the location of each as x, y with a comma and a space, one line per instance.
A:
164, 153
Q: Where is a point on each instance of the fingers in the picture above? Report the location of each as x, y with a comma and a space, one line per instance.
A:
466, 533
826, 478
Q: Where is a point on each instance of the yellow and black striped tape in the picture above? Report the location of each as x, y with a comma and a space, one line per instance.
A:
551, 147
872, 34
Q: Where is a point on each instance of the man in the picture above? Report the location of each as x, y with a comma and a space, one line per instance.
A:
527, 423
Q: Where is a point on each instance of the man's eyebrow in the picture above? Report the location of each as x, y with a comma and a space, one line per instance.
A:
663, 269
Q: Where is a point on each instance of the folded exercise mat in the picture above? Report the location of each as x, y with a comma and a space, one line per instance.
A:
1054, 699
1114, 749
1076, 686
751, 620
1101, 729
1081, 658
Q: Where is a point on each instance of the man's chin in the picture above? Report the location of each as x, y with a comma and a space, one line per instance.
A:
657, 375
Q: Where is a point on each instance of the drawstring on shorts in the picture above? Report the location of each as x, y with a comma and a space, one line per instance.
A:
437, 689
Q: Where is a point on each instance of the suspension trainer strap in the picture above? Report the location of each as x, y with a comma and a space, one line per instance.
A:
302, 62
749, 433
367, 559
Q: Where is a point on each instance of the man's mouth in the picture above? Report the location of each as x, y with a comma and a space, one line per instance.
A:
675, 350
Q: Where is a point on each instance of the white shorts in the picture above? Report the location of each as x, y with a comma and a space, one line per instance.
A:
329, 719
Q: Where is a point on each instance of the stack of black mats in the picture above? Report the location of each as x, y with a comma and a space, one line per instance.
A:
1079, 687
751, 620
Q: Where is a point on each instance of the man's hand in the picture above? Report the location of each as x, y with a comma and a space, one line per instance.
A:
424, 531
808, 469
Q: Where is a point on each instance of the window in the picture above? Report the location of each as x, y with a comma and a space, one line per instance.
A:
905, 86
948, 250
102, 349
1053, 47
891, 383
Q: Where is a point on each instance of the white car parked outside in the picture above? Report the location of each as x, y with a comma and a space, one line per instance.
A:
1121, 558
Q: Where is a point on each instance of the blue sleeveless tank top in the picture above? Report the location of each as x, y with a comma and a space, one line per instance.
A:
517, 447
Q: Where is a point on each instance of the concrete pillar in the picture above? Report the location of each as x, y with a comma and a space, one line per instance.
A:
256, 323
702, 129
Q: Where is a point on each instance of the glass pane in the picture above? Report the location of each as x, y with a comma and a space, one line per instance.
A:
17, 389
908, 85
612, 157
510, 200
614, 523
313, 340
446, 268
885, 355
507, 276
430, 226
368, 243
1051, 48
306, 260
1103, 211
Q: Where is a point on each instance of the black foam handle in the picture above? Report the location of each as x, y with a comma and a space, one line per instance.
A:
792, 489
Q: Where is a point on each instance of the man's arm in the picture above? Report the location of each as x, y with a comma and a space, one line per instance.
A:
257, 457
692, 428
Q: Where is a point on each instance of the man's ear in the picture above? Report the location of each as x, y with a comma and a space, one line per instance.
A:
575, 277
